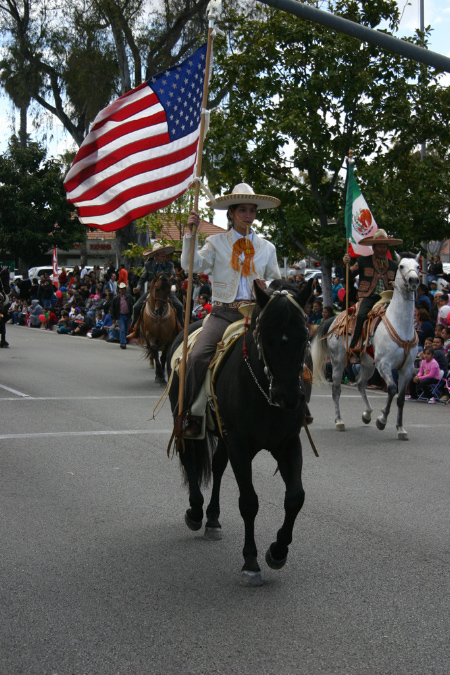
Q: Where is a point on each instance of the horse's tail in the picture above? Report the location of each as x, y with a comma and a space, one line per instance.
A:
201, 454
319, 352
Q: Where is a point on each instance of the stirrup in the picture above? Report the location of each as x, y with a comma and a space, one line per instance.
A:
354, 356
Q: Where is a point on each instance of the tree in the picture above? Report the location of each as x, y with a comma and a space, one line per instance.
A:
82, 55
34, 212
301, 97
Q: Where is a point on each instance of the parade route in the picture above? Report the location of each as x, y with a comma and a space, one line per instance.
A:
100, 576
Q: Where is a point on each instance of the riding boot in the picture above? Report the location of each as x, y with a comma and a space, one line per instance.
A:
132, 334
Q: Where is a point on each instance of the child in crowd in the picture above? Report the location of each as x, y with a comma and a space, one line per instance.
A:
429, 374
64, 323
99, 328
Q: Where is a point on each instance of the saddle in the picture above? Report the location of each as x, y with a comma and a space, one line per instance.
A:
370, 324
204, 404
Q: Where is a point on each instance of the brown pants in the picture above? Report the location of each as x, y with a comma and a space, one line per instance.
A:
204, 350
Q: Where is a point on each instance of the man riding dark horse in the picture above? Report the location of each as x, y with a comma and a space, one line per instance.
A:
157, 262
376, 274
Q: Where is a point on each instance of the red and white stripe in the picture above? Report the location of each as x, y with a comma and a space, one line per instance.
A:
127, 166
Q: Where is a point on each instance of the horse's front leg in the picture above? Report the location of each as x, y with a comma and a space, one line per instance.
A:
213, 528
404, 376
290, 465
241, 463
336, 394
386, 374
159, 373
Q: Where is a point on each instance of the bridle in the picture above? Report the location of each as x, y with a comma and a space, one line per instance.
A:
404, 291
261, 356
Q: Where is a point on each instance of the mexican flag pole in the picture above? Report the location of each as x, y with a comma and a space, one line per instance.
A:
359, 223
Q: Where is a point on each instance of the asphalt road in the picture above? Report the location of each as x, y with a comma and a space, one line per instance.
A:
100, 576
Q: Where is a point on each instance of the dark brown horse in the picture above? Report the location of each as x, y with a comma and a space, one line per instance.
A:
158, 323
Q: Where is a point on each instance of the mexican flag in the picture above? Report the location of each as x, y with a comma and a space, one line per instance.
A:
359, 221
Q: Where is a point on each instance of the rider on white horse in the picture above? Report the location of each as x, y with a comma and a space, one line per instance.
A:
376, 274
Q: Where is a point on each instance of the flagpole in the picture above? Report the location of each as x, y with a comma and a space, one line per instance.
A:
347, 275
182, 366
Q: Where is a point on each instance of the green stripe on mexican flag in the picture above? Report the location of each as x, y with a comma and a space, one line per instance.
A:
359, 221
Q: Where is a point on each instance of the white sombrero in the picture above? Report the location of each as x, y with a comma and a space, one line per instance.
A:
243, 194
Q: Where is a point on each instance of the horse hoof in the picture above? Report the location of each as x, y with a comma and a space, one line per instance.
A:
402, 435
273, 563
340, 426
251, 578
192, 524
366, 417
213, 533
380, 425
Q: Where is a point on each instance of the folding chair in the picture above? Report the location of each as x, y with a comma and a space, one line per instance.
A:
435, 390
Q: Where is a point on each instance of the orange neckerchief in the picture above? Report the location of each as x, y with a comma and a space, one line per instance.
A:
245, 246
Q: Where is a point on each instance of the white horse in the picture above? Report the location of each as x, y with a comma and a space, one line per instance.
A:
394, 344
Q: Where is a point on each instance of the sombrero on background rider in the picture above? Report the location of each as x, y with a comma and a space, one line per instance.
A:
158, 248
243, 194
380, 237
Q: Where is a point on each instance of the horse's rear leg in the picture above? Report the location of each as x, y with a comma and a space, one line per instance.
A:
213, 528
248, 507
193, 516
366, 371
290, 465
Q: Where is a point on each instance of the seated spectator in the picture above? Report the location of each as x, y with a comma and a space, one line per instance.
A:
439, 353
428, 375
99, 329
422, 299
82, 325
433, 288
423, 325
441, 298
445, 335
64, 323
327, 313
114, 333
50, 319
14, 310
36, 311
336, 288
315, 317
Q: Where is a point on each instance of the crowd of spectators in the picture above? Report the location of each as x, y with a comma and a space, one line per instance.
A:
94, 304
86, 303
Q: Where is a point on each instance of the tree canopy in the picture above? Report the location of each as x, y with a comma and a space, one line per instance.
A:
34, 212
301, 96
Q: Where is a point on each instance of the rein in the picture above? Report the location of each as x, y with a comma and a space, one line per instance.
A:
259, 347
152, 311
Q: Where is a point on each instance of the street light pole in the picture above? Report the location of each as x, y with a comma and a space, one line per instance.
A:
423, 147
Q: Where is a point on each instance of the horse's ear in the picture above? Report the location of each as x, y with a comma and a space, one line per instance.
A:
417, 258
306, 292
397, 257
262, 298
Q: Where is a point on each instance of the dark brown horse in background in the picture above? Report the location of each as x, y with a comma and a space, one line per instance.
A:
158, 323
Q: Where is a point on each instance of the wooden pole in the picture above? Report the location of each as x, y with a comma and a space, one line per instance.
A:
347, 280
182, 366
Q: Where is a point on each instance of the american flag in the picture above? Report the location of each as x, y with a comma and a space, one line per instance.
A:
141, 152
